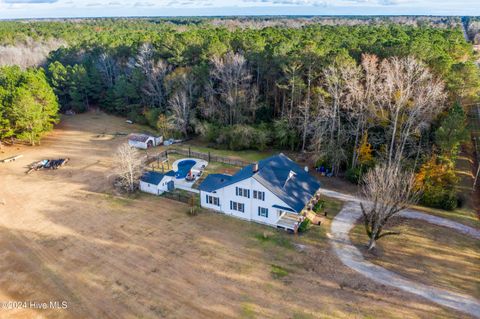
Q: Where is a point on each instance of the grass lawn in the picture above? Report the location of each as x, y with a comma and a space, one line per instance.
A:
462, 215
428, 254
319, 233
246, 155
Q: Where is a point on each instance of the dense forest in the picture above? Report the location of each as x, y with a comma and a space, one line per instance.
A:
472, 25
348, 96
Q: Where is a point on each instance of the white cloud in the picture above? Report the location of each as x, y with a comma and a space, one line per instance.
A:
28, 1
79, 8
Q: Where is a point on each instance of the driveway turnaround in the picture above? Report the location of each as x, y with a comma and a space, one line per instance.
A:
353, 258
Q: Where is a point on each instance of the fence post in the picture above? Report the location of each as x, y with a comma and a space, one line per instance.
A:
209, 156
189, 152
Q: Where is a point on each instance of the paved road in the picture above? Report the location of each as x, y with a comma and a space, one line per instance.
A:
353, 258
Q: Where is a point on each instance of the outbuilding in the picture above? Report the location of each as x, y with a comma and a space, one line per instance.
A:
144, 141
157, 183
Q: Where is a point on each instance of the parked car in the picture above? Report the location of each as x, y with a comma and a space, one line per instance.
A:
169, 142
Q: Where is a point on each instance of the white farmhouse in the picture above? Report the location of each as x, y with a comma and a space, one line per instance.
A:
157, 183
144, 141
273, 191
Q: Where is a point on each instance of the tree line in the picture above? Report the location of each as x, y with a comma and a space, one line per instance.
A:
348, 96
28, 105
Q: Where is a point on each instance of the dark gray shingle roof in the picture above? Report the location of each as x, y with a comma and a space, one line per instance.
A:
138, 137
214, 181
155, 178
279, 174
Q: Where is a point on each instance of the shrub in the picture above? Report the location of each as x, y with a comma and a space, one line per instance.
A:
285, 136
305, 225
437, 179
278, 272
237, 137
136, 118
438, 197
210, 132
354, 174
240, 137
261, 138
318, 206
151, 116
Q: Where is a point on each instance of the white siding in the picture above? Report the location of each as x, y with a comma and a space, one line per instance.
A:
144, 145
203, 200
150, 188
158, 140
137, 144
156, 189
163, 186
228, 194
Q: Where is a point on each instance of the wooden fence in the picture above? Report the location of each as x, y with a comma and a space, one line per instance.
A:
209, 157
181, 197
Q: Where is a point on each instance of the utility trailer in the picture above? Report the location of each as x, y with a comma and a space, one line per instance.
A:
48, 164
11, 159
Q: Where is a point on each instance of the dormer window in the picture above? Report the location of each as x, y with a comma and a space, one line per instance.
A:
291, 175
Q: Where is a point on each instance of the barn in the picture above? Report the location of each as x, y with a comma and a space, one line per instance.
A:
144, 141
157, 183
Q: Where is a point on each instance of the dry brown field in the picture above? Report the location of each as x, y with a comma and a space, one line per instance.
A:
66, 236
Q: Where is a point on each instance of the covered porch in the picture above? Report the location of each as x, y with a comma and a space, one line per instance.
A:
289, 221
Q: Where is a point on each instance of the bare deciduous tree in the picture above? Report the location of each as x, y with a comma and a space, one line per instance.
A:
333, 101
399, 95
362, 87
180, 105
108, 68
233, 85
129, 166
155, 72
408, 97
386, 191
29, 53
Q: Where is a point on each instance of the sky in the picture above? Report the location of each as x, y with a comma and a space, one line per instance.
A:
13, 9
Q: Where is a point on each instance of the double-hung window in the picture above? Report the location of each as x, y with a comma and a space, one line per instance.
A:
263, 212
239, 207
213, 200
259, 195
242, 192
